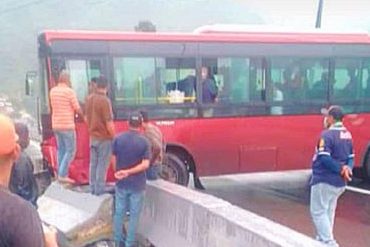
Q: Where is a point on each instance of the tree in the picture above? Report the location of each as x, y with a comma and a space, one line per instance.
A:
145, 26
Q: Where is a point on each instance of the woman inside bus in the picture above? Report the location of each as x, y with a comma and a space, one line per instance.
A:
209, 87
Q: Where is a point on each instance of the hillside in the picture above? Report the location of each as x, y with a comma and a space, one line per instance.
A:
22, 20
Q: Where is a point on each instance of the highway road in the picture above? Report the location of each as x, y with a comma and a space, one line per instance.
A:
285, 199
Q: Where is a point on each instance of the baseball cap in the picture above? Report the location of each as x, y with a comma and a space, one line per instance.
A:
135, 119
335, 111
8, 135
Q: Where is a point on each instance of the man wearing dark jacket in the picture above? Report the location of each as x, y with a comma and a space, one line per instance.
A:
22, 180
331, 169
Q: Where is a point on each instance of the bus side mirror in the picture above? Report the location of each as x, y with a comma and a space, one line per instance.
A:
31, 77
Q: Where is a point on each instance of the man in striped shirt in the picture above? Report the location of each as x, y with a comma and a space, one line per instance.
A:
64, 106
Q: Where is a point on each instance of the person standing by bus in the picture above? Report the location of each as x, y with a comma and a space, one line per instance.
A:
132, 156
64, 105
331, 169
155, 138
99, 116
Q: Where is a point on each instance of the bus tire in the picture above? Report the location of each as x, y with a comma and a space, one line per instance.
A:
174, 170
366, 166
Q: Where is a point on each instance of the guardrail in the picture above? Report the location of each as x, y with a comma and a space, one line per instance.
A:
176, 216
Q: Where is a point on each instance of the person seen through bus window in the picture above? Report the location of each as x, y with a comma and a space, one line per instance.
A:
99, 117
22, 180
350, 88
64, 105
293, 83
318, 90
155, 138
132, 156
331, 169
209, 87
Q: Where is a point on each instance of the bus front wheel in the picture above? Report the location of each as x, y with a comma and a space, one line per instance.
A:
174, 170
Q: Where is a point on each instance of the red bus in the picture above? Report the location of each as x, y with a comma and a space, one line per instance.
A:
270, 89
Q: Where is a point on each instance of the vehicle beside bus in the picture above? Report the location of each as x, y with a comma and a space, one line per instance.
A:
265, 115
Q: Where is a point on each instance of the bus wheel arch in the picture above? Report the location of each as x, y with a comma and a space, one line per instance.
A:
180, 159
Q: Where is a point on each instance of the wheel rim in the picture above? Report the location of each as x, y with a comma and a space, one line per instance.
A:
169, 174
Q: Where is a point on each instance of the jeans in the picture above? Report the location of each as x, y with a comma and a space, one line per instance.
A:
127, 200
322, 208
152, 173
100, 154
66, 142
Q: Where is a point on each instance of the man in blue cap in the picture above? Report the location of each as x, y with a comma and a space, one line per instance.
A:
331, 169
132, 152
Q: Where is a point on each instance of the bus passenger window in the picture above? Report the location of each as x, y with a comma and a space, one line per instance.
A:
347, 79
177, 77
135, 80
238, 80
298, 80
365, 84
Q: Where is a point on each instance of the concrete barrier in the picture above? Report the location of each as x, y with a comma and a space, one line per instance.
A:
81, 217
173, 215
176, 216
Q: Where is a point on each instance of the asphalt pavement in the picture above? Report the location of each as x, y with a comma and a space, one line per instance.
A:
285, 200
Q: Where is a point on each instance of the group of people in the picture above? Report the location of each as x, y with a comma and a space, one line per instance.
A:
332, 164
136, 154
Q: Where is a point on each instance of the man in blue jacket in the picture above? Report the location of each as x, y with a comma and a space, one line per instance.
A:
331, 169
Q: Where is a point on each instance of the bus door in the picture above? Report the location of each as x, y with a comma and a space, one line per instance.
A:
81, 71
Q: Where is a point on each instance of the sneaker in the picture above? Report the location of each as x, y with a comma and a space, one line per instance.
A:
66, 180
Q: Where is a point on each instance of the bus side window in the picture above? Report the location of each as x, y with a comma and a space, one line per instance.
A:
238, 80
365, 84
347, 79
177, 80
135, 80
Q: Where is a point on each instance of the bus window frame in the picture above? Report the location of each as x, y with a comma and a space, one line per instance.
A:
247, 108
86, 57
121, 110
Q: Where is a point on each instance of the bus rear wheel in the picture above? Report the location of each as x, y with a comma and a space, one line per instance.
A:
174, 170
366, 167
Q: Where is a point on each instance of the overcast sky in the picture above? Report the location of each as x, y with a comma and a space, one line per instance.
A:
342, 14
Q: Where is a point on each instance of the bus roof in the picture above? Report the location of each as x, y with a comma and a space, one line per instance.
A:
241, 28
253, 36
